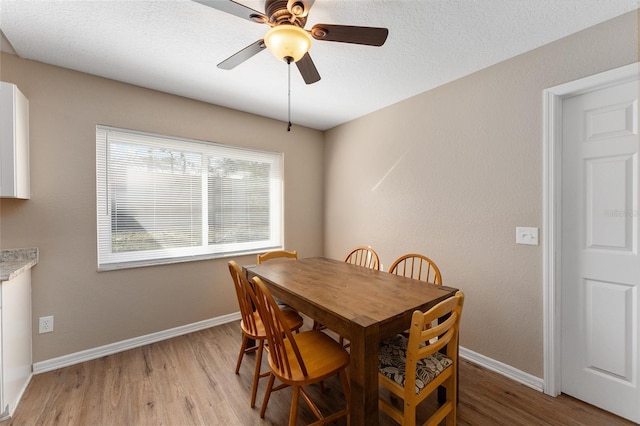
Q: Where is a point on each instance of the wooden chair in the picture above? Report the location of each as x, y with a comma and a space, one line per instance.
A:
413, 368
277, 254
418, 267
363, 256
252, 327
300, 359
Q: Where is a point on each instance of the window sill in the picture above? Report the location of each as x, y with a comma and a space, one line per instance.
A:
169, 261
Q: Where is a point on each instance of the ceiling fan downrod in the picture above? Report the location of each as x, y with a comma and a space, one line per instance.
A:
289, 59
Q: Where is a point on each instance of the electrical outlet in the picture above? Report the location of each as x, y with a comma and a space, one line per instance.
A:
46, 324
525, 235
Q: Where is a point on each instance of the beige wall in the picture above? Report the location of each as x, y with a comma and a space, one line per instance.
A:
451, 173
93, 309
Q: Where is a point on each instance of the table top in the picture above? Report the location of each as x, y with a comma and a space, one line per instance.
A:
335, 292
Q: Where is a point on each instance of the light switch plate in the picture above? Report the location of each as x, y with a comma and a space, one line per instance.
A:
525, 235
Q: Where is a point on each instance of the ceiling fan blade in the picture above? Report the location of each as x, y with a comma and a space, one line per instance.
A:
371, 36
241, 56
236, 9
308, 69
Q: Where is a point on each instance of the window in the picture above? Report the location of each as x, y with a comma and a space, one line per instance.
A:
162, 199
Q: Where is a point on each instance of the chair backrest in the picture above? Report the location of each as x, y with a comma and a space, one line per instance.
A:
418, 267
243, 289
363, 256
424, 342
277, 331
275, 254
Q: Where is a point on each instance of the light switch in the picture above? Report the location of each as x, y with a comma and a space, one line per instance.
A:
526, 235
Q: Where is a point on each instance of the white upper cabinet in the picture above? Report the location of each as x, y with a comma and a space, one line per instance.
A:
14, 143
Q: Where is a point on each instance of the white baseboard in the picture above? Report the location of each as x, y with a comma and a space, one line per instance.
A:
112, 348
504, 369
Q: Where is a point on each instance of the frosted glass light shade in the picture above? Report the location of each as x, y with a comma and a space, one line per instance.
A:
288, 41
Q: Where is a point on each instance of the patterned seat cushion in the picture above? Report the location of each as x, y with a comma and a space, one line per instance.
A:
392, 357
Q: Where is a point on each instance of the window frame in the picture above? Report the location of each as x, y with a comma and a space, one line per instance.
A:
108, 260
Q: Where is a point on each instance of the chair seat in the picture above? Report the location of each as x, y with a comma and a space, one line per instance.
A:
322, 356
392, 357
293, 319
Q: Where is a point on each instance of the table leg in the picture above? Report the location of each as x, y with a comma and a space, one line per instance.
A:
363, 373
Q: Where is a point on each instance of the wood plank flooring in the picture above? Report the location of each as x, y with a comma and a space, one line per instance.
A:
190, 380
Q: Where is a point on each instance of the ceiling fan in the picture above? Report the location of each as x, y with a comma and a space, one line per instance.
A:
287, 39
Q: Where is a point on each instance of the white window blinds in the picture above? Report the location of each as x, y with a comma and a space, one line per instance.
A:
162, 199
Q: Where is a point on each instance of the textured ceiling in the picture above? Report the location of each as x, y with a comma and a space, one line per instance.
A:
174, 46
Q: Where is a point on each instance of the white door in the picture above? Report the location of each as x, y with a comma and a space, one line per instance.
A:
600, 272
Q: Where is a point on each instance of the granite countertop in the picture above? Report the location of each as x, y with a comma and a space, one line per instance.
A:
13, 262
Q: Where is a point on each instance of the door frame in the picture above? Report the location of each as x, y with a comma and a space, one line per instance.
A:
552, 198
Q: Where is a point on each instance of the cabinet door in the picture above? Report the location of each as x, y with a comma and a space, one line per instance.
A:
4, 411
14, 143
16, 338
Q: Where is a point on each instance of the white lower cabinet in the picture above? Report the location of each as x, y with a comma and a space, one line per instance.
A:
15, 341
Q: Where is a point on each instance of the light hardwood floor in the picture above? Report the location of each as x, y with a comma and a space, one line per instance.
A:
190, 380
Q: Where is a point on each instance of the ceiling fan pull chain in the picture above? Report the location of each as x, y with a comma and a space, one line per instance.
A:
288, 58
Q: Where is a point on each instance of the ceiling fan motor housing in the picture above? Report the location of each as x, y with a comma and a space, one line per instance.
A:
278, 13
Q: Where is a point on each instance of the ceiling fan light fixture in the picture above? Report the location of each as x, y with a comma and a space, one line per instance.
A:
288, 41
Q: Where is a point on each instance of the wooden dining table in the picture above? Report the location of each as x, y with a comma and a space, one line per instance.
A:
360, 304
